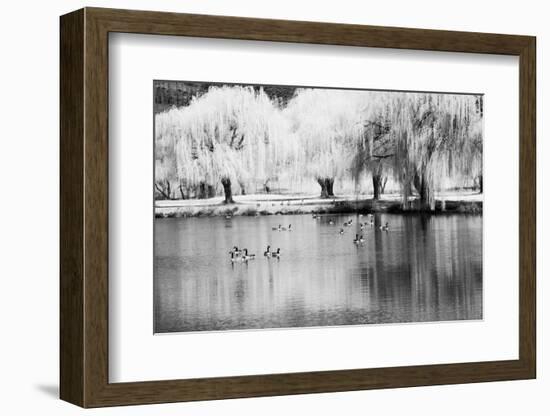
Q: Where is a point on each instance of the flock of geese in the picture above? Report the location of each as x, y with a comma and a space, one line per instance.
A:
242, 255
362, 225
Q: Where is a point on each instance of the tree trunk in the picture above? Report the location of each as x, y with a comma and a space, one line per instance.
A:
323, 183
226, 182
329, 182
417, 182
161, 191
168, 190
427, 200
405, 194
377, 186
383, 183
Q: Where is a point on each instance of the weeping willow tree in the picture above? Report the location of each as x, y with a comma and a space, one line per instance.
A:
435, 138
229, 135
477, 145
327, 125
375, 146
166, 179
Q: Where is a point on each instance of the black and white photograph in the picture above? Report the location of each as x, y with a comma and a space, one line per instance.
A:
282, 206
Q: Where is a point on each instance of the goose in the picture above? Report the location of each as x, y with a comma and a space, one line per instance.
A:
276, 228
356, 239
235, 259
287, 229
277, 253
236, 251
385, 227
341, 231
247, 256
267, 253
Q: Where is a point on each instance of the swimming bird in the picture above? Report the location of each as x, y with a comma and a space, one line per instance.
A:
247, 256
235, 259
276, 228
236, 251
331, 222
358, 239
277, 253
267, 253
341, 231
228, 217
385, 227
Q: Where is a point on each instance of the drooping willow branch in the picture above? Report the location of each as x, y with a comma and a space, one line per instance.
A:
162, 192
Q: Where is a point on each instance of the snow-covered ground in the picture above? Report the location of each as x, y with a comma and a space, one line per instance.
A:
272, 204
261, 200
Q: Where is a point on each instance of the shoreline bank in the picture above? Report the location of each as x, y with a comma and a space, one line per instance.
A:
255, 205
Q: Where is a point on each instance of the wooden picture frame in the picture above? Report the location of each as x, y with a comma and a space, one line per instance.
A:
84, 207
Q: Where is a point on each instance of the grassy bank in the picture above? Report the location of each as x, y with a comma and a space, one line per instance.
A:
253, 205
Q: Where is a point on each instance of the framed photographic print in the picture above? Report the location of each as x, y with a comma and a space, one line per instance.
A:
260, 207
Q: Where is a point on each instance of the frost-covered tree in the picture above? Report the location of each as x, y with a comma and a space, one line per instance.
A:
375, 147
166, 179
228, 135
327, 125
434, 136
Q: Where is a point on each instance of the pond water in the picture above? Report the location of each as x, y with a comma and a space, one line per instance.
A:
424, 268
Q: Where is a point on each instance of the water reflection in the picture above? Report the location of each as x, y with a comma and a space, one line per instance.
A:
425, 268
